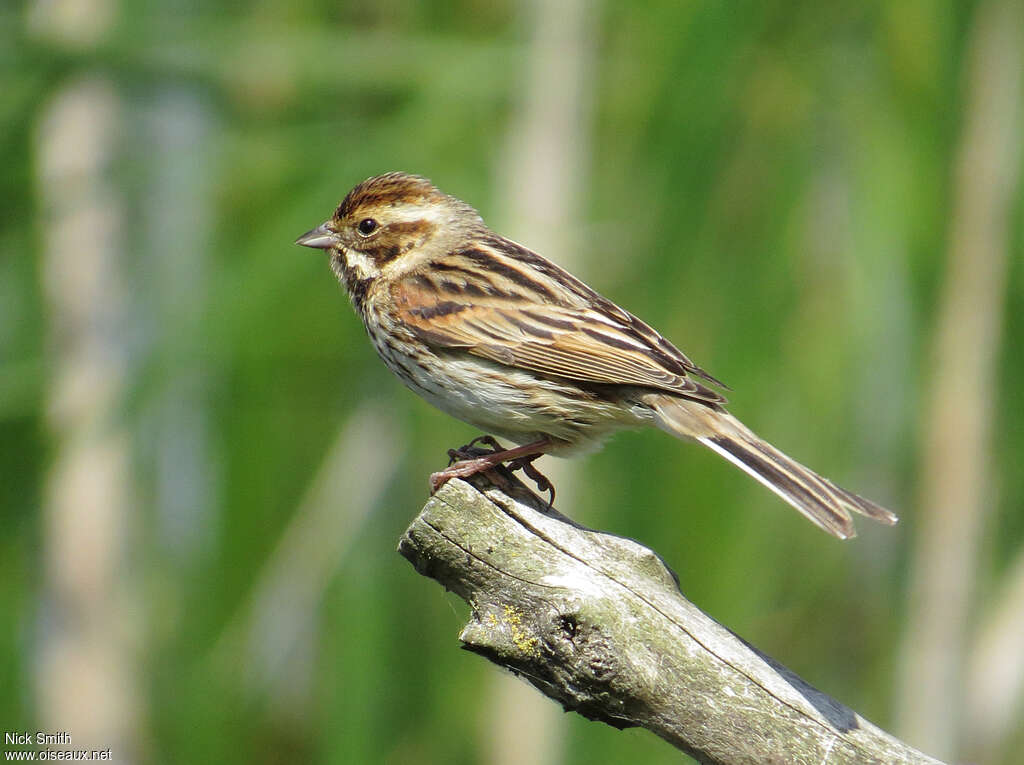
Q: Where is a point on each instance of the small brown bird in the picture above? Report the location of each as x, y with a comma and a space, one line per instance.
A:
499, 337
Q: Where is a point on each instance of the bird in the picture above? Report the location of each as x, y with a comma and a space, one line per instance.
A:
504, 339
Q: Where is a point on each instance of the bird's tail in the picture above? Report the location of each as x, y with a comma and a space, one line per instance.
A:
820, 500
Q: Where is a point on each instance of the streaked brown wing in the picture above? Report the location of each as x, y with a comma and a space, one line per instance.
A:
575, 342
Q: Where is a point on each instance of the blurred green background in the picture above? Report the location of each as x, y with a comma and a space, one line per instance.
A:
205, 469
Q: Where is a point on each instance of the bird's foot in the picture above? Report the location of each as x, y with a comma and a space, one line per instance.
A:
468, 452
467, 461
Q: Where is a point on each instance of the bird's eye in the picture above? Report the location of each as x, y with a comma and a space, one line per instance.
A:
367, 226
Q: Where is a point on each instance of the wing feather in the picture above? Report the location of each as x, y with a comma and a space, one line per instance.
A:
556, 335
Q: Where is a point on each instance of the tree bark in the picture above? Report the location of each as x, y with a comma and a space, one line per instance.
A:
597, 622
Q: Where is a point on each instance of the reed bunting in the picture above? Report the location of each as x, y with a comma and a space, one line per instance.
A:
502, 338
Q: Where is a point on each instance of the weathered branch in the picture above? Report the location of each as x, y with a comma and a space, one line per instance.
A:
597, 623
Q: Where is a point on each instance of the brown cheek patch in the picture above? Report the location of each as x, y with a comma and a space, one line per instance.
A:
384, 253
398, 238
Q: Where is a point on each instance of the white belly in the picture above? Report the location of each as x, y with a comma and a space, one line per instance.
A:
515, 404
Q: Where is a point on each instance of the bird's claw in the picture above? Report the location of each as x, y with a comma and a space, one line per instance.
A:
542, 482
469, 460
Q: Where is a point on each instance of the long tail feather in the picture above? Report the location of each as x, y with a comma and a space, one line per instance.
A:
821, 501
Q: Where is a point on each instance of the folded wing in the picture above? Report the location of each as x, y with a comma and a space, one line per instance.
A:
513, 327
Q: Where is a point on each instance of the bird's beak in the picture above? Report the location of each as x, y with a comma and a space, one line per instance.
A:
322, 237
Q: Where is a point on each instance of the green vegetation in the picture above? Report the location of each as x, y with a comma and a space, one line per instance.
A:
771, 185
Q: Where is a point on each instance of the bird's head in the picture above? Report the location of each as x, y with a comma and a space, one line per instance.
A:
389, 220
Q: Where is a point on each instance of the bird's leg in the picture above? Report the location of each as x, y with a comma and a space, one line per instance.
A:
467, 467
541, 480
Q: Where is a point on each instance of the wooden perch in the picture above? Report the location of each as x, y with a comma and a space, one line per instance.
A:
597, 622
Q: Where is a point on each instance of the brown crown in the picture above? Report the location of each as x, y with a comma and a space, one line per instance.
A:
387, 191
